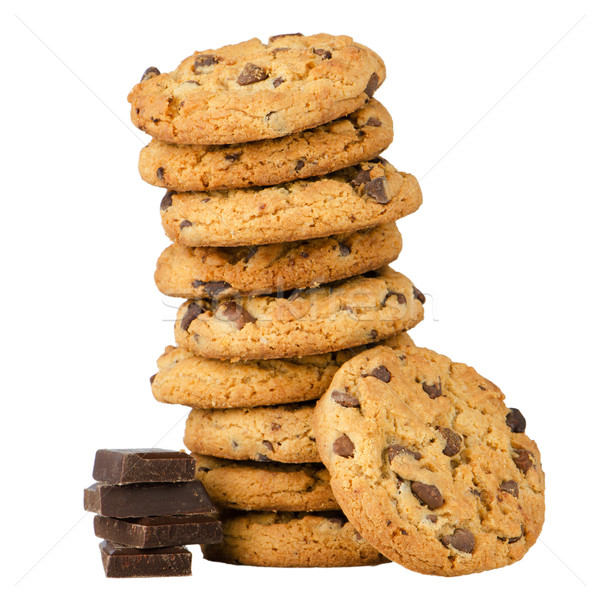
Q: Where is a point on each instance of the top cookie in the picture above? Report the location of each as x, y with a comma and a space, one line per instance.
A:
359, 137
255, 91
428, 463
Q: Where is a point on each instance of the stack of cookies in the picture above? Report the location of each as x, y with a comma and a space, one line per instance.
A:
282, 217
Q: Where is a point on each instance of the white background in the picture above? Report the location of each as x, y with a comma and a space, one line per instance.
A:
496, 111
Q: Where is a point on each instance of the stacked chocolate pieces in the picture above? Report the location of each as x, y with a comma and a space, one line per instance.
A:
282, 217
148, 505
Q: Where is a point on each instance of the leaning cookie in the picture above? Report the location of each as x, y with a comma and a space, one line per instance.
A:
198, 382
359, 197
254, 91
248, 485
289, 539
355, 311
228, 272
429, 464
266, 433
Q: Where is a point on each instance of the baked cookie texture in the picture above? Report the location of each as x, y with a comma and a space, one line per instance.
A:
359, 197
271, 433
291, 540
198, 382
428, 463
355, 311
246, 485
253, 91
356, 138
228, 272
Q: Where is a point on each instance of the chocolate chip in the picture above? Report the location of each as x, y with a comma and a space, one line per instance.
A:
510, 540
205, 60
153, 377
339, 521
427, 494
373, 334
523, 460
397, 449
167, 200
160, 173
275, 426
262, 458
344, 399
376, 190
193, 83
268, 445
453, 441
304, 254
380, 373
510, 487
373, 122
324, 54
214, 288
362, 176
278, 81
462, 540
280, 35
192, 312
185, 223
149, 73
516, 421
299, 166
403, 532
238, 315
251, 73
233, 156
418, 294
343, 447
400, 298
372, 85
433, 391
432, 518
344, 250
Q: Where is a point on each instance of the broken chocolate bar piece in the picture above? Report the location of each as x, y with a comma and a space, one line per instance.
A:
143, 465
120, 561
148, 499
159, 532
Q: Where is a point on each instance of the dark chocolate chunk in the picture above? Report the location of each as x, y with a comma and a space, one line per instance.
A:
160, 173
251, 73
299, 166
215, 288
158, 532
152, 378
344, 250
373, 122
373, 334
380, 373
462, 540
362, 176
304, 254
267, 444
401, 298
121, 561
376, 189
193, 311
149, 73
185, 223
523, 460
278, 81
167, 200
515, 420
427, 494
238, 315
143, 465
280, 35
432, 518
510, 487
324, 54
453, 441
419, 295
433, 391
205, 60
345, 399
262, 458
372, 85
147, 499
343, 447
233, 156
511, 540
397, 449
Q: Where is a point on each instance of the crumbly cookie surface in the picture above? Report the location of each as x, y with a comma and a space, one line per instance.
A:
249, 485
254, 91
287, 539
220, 273
359, 137
269, 433
359, 197
359, 310
428, 463
198, 382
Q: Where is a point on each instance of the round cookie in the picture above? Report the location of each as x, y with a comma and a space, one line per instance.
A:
247, 485
359, 137
198, 382
253, 91
355, 311
220, 273
355, 198
267, 433
428, 463
289, 539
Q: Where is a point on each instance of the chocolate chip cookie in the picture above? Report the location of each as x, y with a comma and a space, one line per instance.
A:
355, 311
428, 463
270, 433
219, 273
289, 539
254, 91
359, 197
249, 485
191, 380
